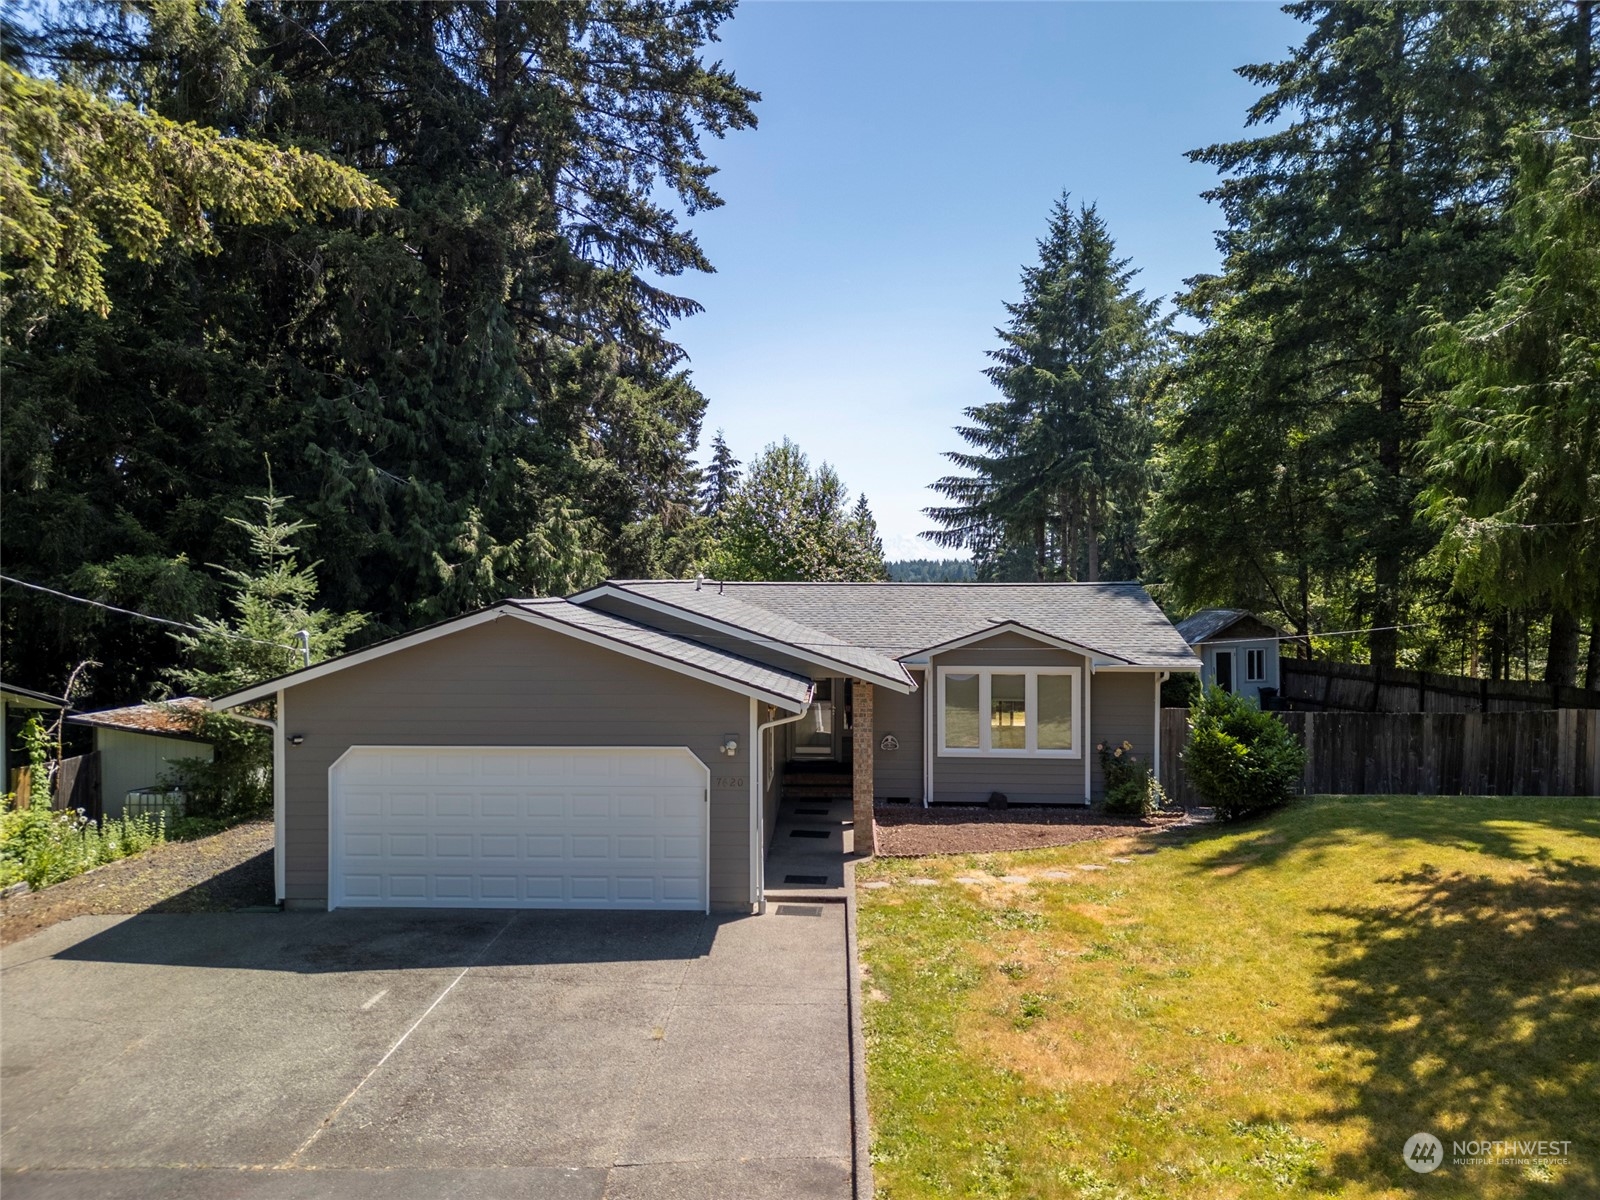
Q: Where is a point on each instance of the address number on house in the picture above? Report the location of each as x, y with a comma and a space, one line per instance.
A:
728, 781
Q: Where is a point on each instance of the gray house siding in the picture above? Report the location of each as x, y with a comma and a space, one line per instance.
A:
508, 683
960, 779
897, 774
1123, 709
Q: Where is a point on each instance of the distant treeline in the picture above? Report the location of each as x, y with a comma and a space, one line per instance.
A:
932, 570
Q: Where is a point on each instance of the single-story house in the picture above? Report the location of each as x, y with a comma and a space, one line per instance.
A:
624, 747
1238, 650
17, 704
139, 744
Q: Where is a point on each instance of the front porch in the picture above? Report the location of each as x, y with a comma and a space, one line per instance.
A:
814, 834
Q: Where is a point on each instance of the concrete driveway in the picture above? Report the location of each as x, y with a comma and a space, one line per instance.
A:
423, 1054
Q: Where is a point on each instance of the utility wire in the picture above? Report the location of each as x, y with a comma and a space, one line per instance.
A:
1306, 637
128, 612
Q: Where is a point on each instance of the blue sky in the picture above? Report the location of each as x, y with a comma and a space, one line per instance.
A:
905, 164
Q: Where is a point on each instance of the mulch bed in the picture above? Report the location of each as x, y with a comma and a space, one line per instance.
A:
228, 870
911, 830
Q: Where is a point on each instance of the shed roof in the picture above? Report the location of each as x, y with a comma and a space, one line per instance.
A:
178, 717
1209, 623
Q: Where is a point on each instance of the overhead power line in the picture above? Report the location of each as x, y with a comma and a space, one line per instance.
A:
128, 612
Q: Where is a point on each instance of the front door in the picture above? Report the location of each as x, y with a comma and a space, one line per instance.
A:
1225, 670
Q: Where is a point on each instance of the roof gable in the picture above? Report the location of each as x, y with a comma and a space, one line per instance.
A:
773, 685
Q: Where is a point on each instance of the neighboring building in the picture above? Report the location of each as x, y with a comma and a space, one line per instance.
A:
1238, 650
139, 744
625, 747
17, 704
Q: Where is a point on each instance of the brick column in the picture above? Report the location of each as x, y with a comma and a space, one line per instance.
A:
861, 777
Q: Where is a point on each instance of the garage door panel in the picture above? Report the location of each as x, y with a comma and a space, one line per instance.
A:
601, 828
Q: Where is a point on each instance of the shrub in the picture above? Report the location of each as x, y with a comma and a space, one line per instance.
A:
235, 784
44, 847
1240, 759
1131, 787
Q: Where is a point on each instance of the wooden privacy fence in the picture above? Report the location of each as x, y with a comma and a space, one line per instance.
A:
1314, 685
1551, 753
78, 785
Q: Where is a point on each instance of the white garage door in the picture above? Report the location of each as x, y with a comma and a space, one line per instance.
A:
518, 827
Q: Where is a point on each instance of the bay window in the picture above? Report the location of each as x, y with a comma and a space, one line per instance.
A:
1009, 711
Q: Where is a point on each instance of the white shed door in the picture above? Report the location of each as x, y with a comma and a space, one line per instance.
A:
518, 827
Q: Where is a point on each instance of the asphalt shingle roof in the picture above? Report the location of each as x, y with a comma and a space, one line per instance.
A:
772, 680
896, 620
1208, 622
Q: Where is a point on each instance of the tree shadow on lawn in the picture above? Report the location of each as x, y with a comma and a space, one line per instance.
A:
1470, 1004
1472, 1007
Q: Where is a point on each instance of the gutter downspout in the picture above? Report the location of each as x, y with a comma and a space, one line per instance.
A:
1155, 757
760, 792
278, 865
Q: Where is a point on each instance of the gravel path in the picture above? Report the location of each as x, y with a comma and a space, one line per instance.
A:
231, 869
912, 830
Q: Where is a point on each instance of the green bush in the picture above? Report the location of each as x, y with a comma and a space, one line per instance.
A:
1131, 787
1240, 759
43, 847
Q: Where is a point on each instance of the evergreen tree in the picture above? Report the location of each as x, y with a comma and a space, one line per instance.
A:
1377, 194
1514, 447
1058, 463
786, 521
721, 478
475, 393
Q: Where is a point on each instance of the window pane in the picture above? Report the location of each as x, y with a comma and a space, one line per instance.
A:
961, 712
1008, 712
1055, 712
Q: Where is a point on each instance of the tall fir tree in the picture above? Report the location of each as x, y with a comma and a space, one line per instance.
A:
1376, 195
721, 478
1058, 464
1513, 454
475, 393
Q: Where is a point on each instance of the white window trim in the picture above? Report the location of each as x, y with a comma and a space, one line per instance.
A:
1031, 674
1250, 675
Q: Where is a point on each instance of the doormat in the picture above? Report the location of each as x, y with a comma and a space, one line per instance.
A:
822, 879
808, 833
810, 812
799, 910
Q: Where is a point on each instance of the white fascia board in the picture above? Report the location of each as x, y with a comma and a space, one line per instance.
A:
902, 685
516, 611
1187, 667
1099, 659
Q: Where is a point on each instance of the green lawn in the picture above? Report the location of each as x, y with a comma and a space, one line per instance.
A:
1268, 1009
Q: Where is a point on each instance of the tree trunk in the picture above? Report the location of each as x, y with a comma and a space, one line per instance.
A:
1041, 562
1591, 669
1561, 663
1091, 538
1499, 640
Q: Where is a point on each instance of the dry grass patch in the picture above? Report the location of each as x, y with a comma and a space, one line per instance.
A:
1263, 1011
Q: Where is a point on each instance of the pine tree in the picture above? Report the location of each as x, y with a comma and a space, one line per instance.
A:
1513, 448
787, 522
1058, 463
1377, 194
721, 478
475, 393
